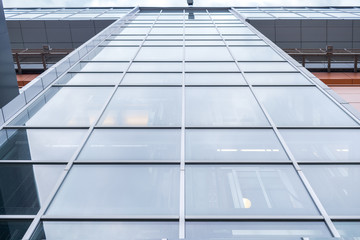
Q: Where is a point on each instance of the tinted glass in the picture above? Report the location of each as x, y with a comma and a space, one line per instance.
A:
160, 54
211, 67
101, 67
348, 229
115, 53
207, 54
91, 79
214, 79
152, 79
13, 229
255, 54
276, 79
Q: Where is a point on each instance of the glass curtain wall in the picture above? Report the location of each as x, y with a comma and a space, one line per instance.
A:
184, 124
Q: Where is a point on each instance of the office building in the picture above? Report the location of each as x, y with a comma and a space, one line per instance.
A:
179, 123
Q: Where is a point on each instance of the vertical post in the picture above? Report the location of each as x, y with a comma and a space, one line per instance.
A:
355, 63
43, 59
329, 53
18, 63
303, 60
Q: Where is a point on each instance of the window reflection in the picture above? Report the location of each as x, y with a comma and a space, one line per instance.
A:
10, 229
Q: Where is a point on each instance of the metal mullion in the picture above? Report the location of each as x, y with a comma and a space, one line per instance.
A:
243, 127
62, 177
318, 162
238, 162
182, 156
46, 127
122, 127
34, 162
127, 162
111, 218
222, 86
16, 217
253, 218
290, 61
301, 175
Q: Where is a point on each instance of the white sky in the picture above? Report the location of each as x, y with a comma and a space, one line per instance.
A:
174, 3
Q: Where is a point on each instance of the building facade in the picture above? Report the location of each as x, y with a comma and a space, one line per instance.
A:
178, 123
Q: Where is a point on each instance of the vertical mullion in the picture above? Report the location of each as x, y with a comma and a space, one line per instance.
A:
36, 221
301, 175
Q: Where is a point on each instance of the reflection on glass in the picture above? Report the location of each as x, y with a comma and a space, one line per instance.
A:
214, 79
276, 79
131, 144
13, 229
233, 145
245, 190
222, 107
211, 67
115, 53
256, 230
78, 106
110, 190
40, 144
100, 67
255, 54
156, 67
152, 79
207, 54
266, 67
24, 187
323, 144
139, 106
90, 79
348, 229
160, 54
106, 230
337, 186
301, 106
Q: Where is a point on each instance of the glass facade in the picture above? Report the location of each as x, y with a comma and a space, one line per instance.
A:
182, 124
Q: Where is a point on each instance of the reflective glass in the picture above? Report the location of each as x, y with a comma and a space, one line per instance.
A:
25, 187
115, 53
13, 229
152, 79
255, 230
246, 190
140, 107
132, 144
266, 67
156, 43
156, 67
101, 67
165, 30
214, 79
337, 187
160, 54
200, 30
255, 54
40, 144
112, 190
122, 43
323, 144
78, 106
106, 230
276, 79
348, 229
211, 67
301, 106
222, 107
134, 30
207, 54
235, 30
90, 79
233, 145
245, 43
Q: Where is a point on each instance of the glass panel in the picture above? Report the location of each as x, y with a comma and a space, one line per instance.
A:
323, 144
122, 43
207, 54
266, 67
134, 30
337, 187
40, 144
214, 79
245, 43
10, 229
301, 106
233, 145
276, 79
25, 187
348, 229
222, 107
101, 67
255, 54
111, 190
152, 42
106, 230
115, 53
131, 144
156, 67
152, 79
160, 54
211, 67
256, 230
235, 30
200, 30
65, 107
91, 79
164, 30
245, 190
140, 107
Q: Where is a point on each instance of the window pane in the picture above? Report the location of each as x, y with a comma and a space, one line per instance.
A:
200, 30
40, 144
276, 79
323, 144
214, 79
16, 229
255, 54
222, 107
165, 30
25, 187
111, 190
101, 67
233, 145
156, 67
207, 54
160, 54
211, 67
65, 107
337, 186
91, 79
301, 106
152, 79
246, 190
255, 230
115, 53
139, 106
266, 67
106, 230
348, 229
235, 30
131, 144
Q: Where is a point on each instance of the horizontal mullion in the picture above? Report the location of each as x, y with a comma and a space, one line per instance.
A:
110, 218
318, 127
16, 217
35, 162
84, 85
218, 85
237, 162
148, 85
46, 127
328, 162
122, 127
127, 162
240, 127
259, 218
